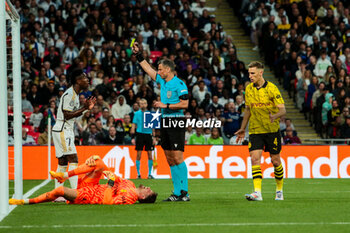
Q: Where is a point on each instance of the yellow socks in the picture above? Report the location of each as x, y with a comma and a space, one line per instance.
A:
279, 177
257, 177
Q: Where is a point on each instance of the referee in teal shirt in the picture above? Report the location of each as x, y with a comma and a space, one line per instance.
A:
143, 138
173, 99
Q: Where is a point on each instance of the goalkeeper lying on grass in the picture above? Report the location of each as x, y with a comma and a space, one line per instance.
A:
117, 191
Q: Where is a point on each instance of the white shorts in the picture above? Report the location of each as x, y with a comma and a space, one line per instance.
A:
64, 143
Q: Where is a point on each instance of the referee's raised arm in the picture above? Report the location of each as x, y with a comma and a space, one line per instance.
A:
136, 49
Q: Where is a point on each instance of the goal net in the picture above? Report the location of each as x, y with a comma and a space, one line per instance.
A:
11, 182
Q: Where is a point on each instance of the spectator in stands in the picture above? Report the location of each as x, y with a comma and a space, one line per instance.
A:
206, 134
240, 106
120, 108
110, 122
127, 124
111, 138
197, 138
311, 88
288, 123
345, 129
218, 91
231, 120
199, 93
345, 113
36, 117
27, 71
120, 132
82, 121
26, 105
43, 138
132, 68
199, 9
214, 105
70, 53
315, 108
326, 107
95, 112
215, 138
130, 97
33, 96
100, 128
93, 136
104, 88
104, 116
290, 138
153, 41
27, 139
52, 58
333, 120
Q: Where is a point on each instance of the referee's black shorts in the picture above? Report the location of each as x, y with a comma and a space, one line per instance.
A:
173, 138
144, 142
269, 142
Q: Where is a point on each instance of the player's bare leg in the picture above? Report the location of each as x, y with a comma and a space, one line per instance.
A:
93, 168
255, 156
276, 161
67, 193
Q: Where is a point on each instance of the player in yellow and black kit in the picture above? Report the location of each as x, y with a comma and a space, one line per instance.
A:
264, 107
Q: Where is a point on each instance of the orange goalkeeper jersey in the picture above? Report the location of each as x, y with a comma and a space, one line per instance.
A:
122, 193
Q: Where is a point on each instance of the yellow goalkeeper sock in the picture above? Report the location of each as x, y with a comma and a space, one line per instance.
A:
257, 177
279, 177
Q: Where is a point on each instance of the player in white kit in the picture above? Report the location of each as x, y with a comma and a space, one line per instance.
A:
63, 130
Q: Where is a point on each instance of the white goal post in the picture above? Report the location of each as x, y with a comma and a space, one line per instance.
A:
10, 67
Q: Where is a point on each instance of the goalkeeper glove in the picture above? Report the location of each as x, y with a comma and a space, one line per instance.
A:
110, 176
91, 161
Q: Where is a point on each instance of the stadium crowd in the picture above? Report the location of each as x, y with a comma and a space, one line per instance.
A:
60, 36
307, 45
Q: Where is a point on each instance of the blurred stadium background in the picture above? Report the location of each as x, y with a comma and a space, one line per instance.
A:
305, 45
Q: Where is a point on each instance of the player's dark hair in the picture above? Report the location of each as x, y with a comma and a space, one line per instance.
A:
150, 199
74, 75
169, 63
256, 64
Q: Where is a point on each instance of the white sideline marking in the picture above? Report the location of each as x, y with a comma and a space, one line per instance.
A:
269, 192
25, 196
179, 225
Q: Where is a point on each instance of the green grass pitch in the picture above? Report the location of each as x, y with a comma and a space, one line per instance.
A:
310, 205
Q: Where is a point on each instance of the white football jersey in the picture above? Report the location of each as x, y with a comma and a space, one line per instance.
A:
69, 102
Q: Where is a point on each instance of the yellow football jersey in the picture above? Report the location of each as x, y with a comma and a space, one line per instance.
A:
261, 102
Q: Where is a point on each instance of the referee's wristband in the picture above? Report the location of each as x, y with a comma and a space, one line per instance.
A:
139, 57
